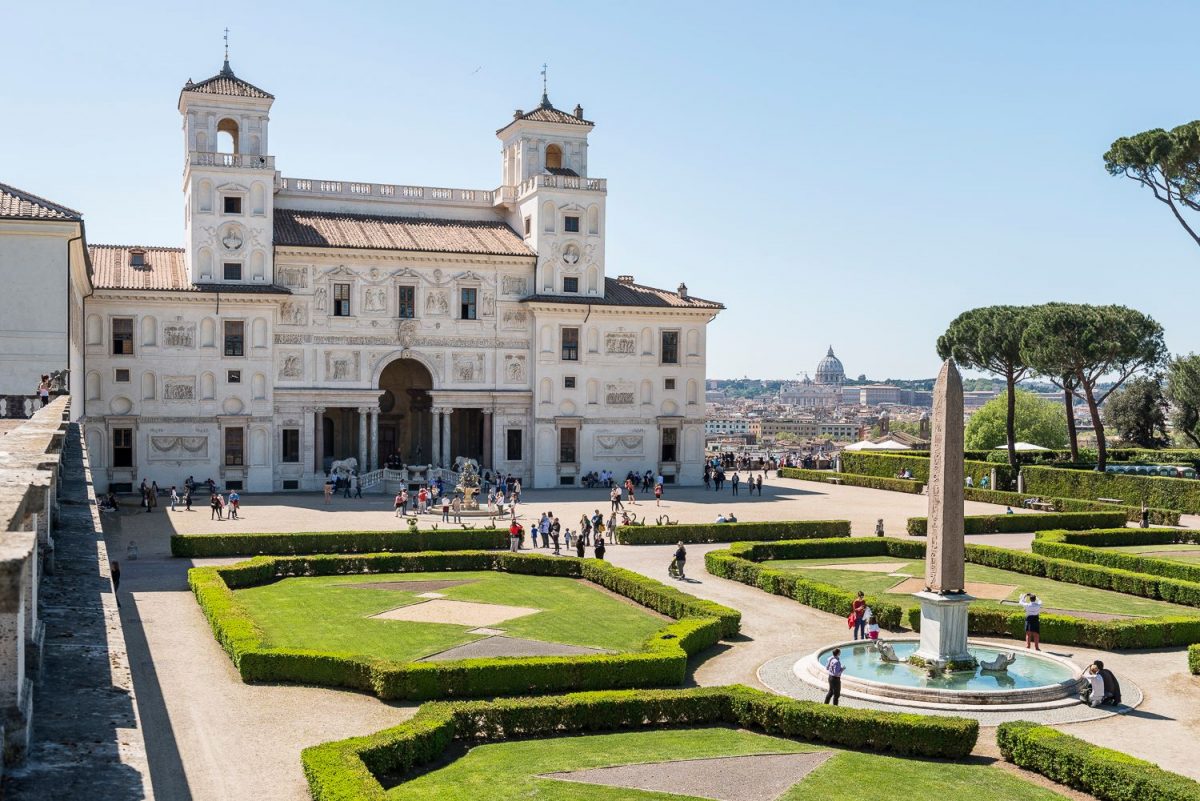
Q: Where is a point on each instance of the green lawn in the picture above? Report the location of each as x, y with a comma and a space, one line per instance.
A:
505, 771
325, 614
1056, 594
1172, 552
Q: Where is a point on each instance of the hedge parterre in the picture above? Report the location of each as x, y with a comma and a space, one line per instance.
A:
1002, 524
1166, 493
1086, 549
732, 532
853, 480
350, 769
293, 543
661, 661
1101, 772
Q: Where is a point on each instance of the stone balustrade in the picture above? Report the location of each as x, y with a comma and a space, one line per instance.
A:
242, 160
394, 192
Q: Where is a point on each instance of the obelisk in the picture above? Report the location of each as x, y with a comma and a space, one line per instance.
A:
944, 601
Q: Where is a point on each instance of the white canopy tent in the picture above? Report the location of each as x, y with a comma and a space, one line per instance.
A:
1022, 447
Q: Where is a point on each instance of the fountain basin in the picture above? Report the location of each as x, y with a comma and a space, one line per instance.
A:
1035, 681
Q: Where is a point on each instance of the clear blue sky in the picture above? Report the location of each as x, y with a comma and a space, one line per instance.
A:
835, 173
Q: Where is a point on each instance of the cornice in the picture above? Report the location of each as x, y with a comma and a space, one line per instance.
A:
420, 256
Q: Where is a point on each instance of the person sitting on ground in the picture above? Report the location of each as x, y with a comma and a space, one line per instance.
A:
1008, 510
730, 518
1112, 687
1093, 693
720, 518
872, 625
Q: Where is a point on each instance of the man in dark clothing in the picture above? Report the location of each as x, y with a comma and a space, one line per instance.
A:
115, 571
1112, 687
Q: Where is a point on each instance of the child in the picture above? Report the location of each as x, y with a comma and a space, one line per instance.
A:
872, 627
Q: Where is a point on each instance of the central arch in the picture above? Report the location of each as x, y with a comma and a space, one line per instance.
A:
405, 419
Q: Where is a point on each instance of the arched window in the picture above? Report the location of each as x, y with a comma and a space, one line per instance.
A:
553, 157
227, 136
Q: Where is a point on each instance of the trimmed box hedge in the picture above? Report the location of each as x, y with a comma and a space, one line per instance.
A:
1133, 514
731, 532
348, 770
740, 563
304, 542
854, 480
661, 661
888, 465
1052, 544
1007, 524
1101, 772
1194, 658
1157, 491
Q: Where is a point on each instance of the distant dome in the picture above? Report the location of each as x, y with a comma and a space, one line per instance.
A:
830, 370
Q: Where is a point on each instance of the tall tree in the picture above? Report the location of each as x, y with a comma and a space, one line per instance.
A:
1092, 343
1038, 421
1183, 391
989, 338
1138, 413
1165, 162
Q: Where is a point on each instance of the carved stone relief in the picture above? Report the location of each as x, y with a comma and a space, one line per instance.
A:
292, 312
178, 448
513, 285
436, 303
374, 299
618, 393
341, 365
179, 335
291, 366
620, 343
294, 277
179, 388
514, 319
489, 304
468, 367
607, 443
514, 368
322, 298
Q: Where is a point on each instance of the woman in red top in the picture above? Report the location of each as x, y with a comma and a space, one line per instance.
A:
859, 607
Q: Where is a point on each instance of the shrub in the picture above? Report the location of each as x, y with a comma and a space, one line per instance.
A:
1056, 549
1101, 772
1166, 493
661, 661
853, 480
203, 545
348, 770
1001, 524
888, 465
1133, 514
732, 532
1108, 537
1194, 658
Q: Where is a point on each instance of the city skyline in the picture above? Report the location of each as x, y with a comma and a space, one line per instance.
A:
1001, 116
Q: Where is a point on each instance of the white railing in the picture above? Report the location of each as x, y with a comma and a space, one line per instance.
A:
204, 159
358, 189
562, 182
371, 479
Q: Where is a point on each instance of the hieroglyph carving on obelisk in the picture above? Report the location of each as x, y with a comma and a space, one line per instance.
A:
945, 550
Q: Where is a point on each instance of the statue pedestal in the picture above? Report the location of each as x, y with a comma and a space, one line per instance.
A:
943, 629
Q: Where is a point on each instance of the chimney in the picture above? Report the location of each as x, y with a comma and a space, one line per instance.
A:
624, 279
683, 291
578, 112
517, 114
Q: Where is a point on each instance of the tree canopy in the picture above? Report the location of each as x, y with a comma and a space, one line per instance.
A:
1037, 421
1137, 412
1183, 392
1165, 162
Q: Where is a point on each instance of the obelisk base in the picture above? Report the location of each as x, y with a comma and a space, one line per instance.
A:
943, 631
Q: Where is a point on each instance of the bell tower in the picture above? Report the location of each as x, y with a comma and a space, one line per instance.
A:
228, 180
550, 199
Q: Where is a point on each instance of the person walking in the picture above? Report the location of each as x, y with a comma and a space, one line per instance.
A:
1033, 620
445, 508
456, 508
328, 491
357, 485
151, 497
214, 504
859, 610
346, 489
543, 528
758, 485
579, 543
1145, 517
398, 503
615, 497
516, 492
555, 530
174, 498
834, 668
187, 499
115, 572
235, 500
599, 549
630, 491
658, 489
733, 482
514, 535
43, 390
680, 559
143, 490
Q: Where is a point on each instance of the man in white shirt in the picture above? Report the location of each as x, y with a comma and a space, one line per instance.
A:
1033, 620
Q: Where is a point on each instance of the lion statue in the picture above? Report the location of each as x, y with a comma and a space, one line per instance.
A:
343, 468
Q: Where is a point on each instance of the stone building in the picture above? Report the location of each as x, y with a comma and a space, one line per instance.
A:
823, 393
310, 320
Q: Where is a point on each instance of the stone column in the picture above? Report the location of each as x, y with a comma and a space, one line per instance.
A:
362, 439
447, 457
435, 441
373, 457
319, 440
489, 447
20, 547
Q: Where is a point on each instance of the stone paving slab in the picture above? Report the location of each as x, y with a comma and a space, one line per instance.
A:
760, 777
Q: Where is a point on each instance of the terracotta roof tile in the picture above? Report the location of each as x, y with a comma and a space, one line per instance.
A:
620, 293
226, 83
165, 268
302, 228
19, 203
548, 113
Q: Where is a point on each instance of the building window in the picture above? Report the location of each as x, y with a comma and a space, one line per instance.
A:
670, 347
512, 451
233, 376
137, 258
233, 271
553, 157
468, 303
291, 445
235, 440
571, 225
122, 336
569, 382
121, 375
122, 449
570, 344
408, 302
341, 300
670, 439
233, 205
566, 445
528, 225
235, 338
570, 284
669, 383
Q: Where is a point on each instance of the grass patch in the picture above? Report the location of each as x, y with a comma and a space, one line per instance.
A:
503, 771
326, 614
1056, 594
1171, 552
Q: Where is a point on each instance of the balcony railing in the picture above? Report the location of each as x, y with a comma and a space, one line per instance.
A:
244, 160
562, 182
355, 189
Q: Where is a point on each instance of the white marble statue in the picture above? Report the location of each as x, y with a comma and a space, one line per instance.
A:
343, 468
1001, 662
887, 653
